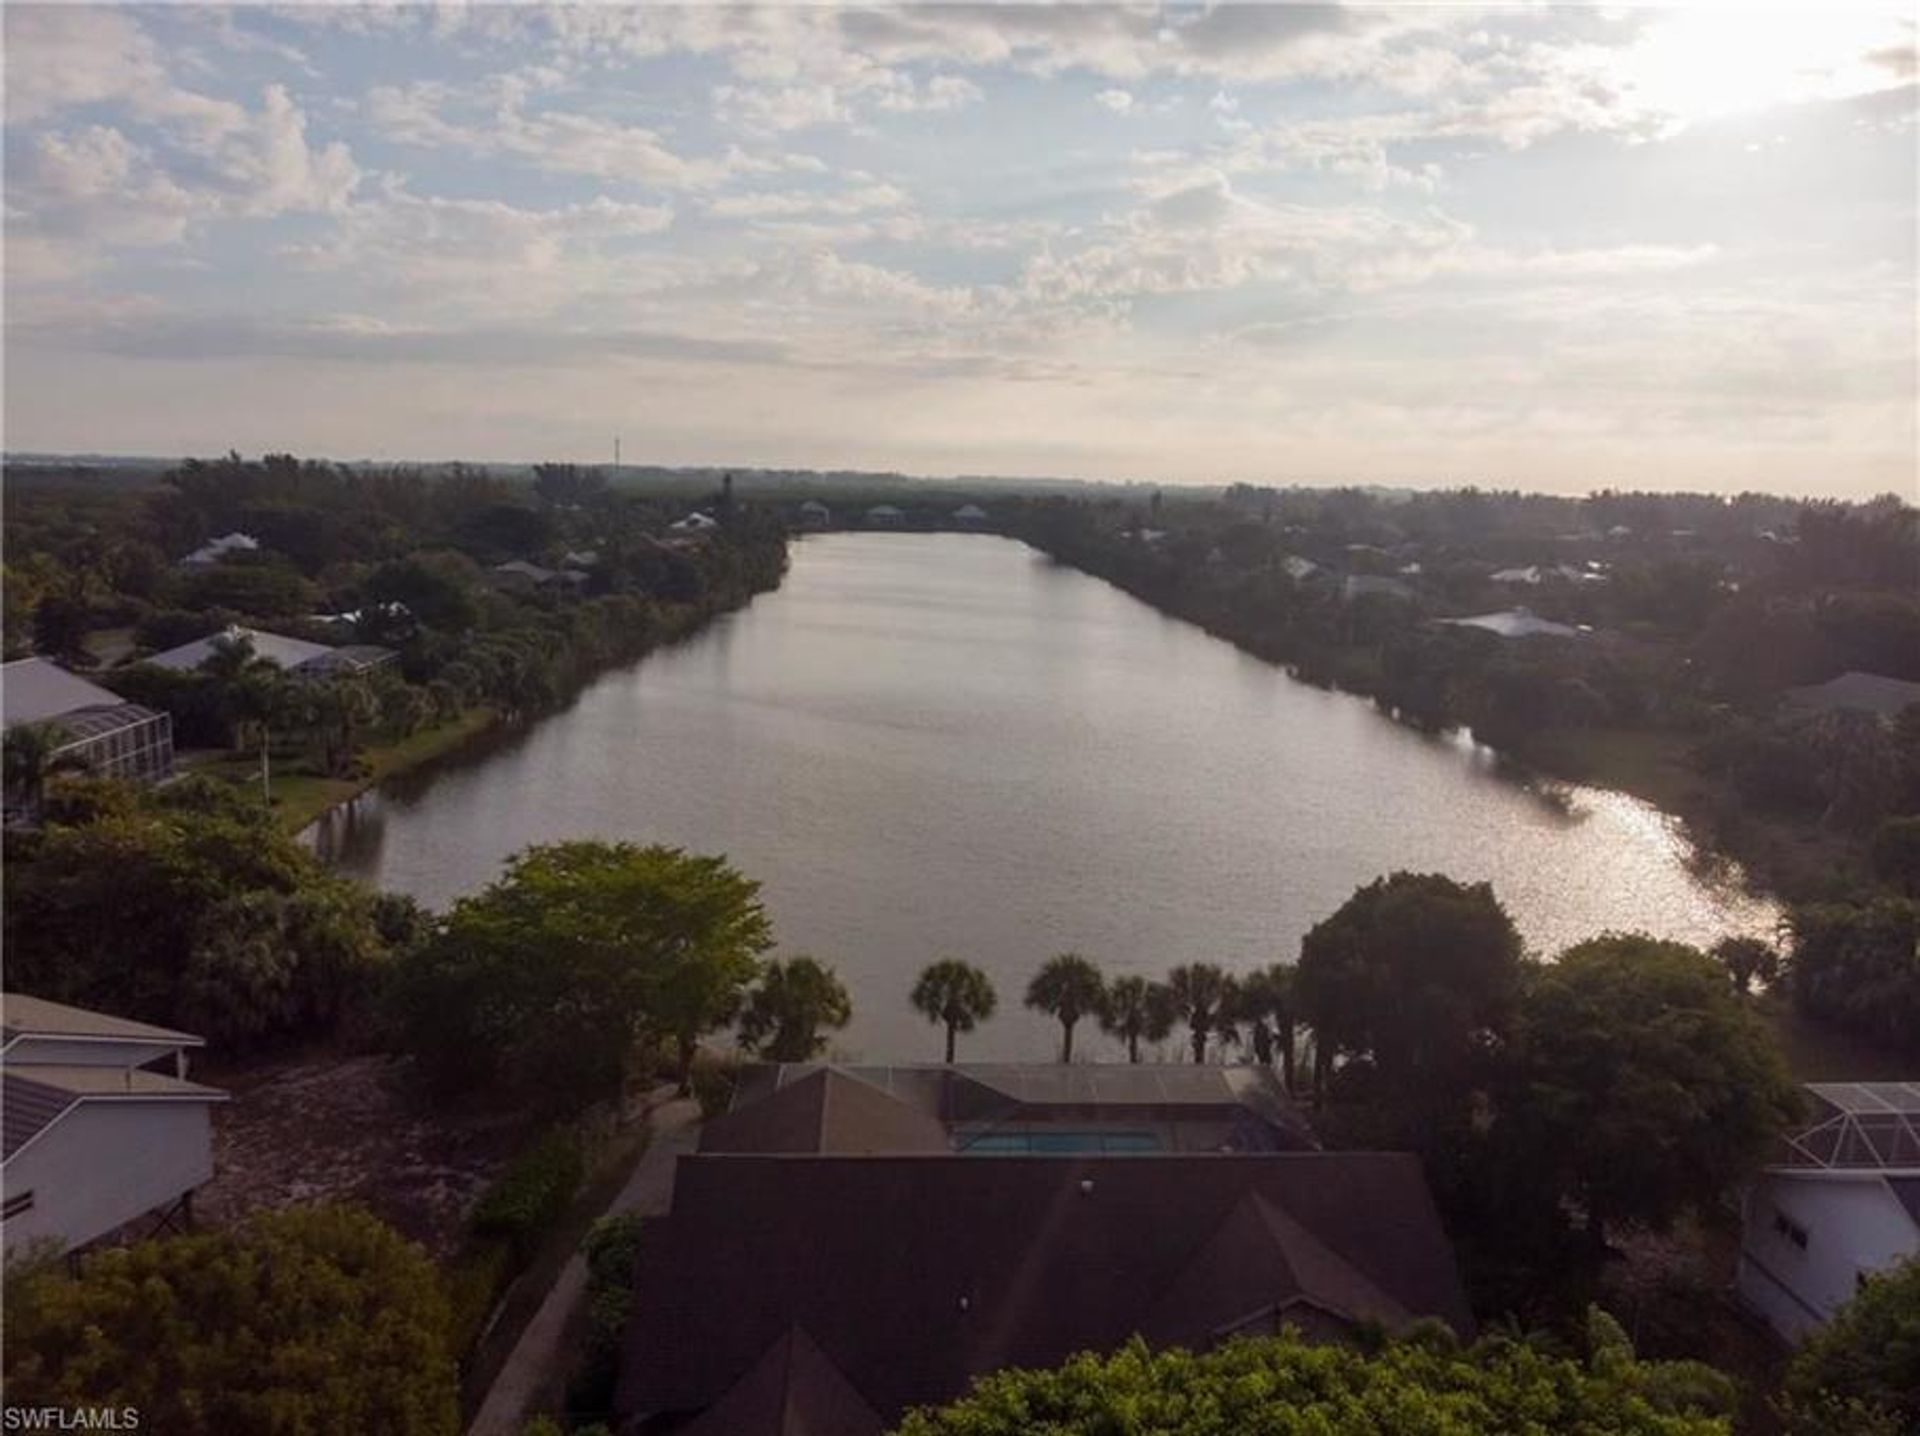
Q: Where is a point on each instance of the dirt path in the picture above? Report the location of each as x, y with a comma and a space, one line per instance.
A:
675, 1128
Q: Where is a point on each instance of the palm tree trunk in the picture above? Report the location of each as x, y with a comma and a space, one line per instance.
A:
950, 1034
1133, 1048
1066, 1042
687, 1046
1286, 1055
1199, 1044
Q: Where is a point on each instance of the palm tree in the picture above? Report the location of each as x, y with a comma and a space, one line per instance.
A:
1200, 992
955, 993
29, 760
1264, 1001
1068, 987
1136, 1009
795, 999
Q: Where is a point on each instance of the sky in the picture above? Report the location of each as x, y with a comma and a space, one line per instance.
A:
1552, 248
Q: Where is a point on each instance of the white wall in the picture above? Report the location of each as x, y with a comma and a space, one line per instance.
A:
1853, 1225
105, 1163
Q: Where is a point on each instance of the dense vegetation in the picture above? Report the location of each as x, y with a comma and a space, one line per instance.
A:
1700, 614
312, 1319
398, 558
1425, 1385
188, 906
1866, 1361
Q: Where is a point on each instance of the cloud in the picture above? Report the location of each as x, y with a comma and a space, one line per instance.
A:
1119, 101
499, 123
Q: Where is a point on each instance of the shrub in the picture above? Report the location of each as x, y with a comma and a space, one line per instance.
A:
532, 1194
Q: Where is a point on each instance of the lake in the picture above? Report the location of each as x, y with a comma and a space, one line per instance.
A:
925, 745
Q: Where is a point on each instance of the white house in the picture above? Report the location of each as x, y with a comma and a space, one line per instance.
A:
91, 726
101, 1126
1514, 623
214, 550
1841, 1203
295, 655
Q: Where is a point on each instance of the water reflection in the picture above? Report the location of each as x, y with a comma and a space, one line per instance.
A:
926, 744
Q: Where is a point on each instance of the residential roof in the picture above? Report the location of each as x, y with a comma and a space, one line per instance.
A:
913, 1274
825, 1111
215, 549
1514, 623
969, 511
1863, 692
792, 1388
972, 1093
35, 690
25, 1016
38, 1094
276, 648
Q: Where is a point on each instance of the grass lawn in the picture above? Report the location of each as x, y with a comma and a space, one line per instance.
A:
301, 796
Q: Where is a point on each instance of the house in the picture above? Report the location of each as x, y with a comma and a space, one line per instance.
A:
1857, 692
102, 1127
1528, 575
849, 1242
885, 516
970, 516
814, 514
292, 655
580, 558
1840, 1202
214, 550
1514, 623
1297, 568
695, 523
93, 729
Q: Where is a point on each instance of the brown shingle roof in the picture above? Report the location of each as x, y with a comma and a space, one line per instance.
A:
915, 1273
826, 1111
793, 1390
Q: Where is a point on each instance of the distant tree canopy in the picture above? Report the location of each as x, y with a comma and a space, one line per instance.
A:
312, 1319
1637, 1084
546, 980
1858, 965
1408, 972
187, 906
1423, 1386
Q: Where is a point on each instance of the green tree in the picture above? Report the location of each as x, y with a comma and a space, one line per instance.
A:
1639, 1084
1869, 1354
311, 1319
29, 755
786, 1011
1264, 1002
545, 980
187, 905
955, 995
1067, 988
1857, 965
1895, 853
1282, 1384
1201, 995
1412, 971
1137, 1010
1747, 960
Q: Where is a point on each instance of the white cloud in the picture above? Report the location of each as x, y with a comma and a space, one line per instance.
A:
1119, 101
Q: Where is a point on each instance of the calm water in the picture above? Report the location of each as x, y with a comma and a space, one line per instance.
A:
933, 744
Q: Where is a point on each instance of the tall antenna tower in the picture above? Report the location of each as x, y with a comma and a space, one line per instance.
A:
616, 451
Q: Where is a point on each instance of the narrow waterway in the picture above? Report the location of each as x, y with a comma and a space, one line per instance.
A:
946, 744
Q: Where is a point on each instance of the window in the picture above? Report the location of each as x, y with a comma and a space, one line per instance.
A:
1787, 1227
16, 1204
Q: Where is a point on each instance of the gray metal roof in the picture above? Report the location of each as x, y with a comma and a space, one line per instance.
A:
1863, 692
274, 647
22, 1015
34, 690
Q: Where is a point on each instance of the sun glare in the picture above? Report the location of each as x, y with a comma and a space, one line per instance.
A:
1712, 62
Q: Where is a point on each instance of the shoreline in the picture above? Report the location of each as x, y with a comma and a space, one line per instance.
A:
1777, 861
